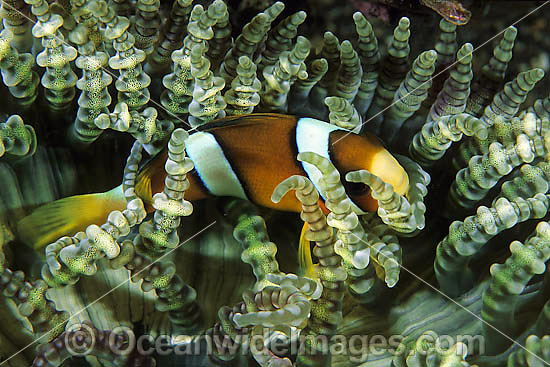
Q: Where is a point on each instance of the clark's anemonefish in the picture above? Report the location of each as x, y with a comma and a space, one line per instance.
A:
240, 156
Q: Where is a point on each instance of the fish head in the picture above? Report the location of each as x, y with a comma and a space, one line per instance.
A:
353, 152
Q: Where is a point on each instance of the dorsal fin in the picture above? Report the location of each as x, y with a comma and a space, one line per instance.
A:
254, 118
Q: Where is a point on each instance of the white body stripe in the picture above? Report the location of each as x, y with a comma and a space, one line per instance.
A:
213, 168
313, 136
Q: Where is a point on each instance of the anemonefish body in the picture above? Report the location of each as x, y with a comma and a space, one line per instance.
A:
239, 156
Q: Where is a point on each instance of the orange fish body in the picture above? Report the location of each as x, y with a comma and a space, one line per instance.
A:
240, 156
259, 152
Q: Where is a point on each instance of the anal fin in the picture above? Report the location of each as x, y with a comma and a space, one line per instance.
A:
305, 261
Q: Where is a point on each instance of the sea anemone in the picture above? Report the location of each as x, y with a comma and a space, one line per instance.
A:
394, 287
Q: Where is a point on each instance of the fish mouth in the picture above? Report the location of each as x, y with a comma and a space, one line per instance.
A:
390, 171
402, 187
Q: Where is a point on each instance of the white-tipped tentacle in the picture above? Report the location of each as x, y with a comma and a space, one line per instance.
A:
341, 216
403, 214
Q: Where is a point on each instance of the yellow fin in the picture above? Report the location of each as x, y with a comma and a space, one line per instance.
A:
149, 173
305, 260
67, 216
143, 188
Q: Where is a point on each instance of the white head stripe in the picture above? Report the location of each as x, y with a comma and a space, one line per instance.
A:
313, 136
212, 166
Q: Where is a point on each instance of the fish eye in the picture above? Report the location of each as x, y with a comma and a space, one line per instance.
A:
356, 188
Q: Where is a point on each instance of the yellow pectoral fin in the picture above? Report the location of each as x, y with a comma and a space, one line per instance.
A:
144, 189
67, 216
305, 260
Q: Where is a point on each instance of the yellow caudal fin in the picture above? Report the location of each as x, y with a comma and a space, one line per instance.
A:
305, 260
67, 216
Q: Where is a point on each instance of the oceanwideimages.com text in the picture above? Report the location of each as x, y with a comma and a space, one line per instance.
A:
81, 341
